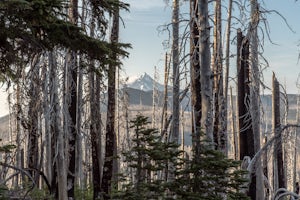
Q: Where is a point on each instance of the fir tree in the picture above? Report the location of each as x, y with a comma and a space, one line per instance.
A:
209, 175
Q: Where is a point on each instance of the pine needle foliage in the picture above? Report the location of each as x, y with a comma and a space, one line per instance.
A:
148, 158
209, 177
28, 27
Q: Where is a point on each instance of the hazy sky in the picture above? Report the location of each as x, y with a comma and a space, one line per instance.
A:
146, 16
141, 30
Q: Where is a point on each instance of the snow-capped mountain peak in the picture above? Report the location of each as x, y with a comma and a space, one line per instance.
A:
143, 82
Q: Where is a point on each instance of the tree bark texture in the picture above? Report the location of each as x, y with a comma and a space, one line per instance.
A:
255, 94
72, 109
227, 57
243, 98
33, 119
175, 49
205, 71
279, 175
59, 169
195, 75
110, 120
245, 119
219, 107
95, 135
164, 117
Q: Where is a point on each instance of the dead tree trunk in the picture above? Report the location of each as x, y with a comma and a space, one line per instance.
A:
219, 107
243, 101
227, 59
175, 50
95, 131
59, 169
295, 160
72, 109
195, 75
279, 176
95, 135
205, 71
255, 93
33, 118
233, 129
164, 117
243, 98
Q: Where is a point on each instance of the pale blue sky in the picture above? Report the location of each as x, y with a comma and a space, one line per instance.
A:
146, 16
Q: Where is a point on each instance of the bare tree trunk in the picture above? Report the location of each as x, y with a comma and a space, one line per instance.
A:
295, 160
72, 110
110, 120
46, 112
196, 89
219, 118
255, 94
195, 76
175, 50
279, 176
53, 91
245, 119
33, 121
59, 170
233, 129
18, 111
227, 57
98, 121
164, 117
94, 132
205, 71
78, 154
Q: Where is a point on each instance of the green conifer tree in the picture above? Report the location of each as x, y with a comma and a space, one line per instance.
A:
211, 176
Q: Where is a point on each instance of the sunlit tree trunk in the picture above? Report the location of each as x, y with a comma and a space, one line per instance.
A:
59, 169
234, 132
226, 76
255, 93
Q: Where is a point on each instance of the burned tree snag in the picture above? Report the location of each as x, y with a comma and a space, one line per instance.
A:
244, 122
243, 99
279, 177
